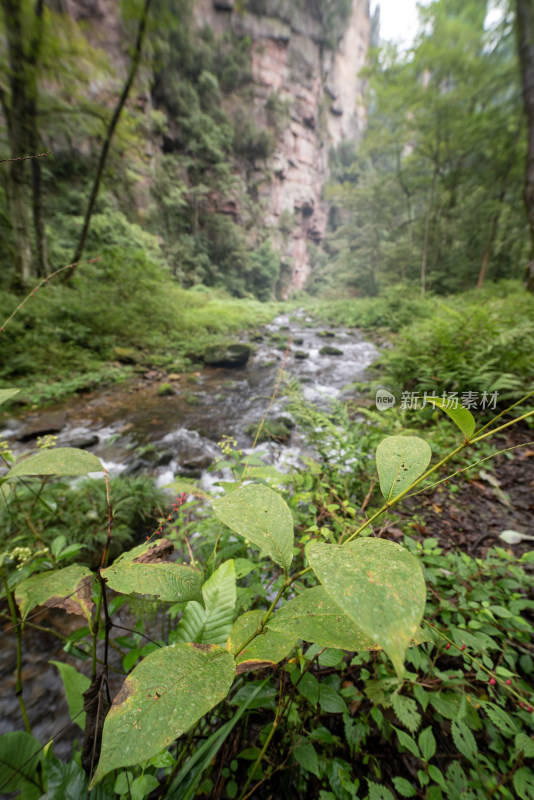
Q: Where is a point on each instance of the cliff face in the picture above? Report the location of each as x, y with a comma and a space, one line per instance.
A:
305, 90
320, 87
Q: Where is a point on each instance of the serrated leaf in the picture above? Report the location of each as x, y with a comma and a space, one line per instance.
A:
6, 394
211, 624
524, 783
400, 460
504, 722
524, 744
404, 787
135, 572
259, 514
377, 792
406, 710
162, 697
266, 649
75, 684
58, 461
68, 588
461, 416
427, 743
18, 770
380, 585
464, 740
305, 755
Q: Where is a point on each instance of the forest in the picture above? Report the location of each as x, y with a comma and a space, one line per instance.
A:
266, 381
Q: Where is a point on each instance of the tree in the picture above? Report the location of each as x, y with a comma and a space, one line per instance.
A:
18, 96
525, 50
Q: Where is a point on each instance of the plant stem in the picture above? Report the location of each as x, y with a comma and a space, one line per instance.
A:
18, 628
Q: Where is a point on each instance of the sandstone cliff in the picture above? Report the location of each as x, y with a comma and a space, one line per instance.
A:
305, 64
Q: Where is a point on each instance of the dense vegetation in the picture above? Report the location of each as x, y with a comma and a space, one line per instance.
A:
264, 659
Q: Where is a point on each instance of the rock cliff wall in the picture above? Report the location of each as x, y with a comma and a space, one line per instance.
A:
305, 74
319, 84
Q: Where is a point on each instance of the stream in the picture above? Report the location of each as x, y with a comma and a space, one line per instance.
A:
132, 428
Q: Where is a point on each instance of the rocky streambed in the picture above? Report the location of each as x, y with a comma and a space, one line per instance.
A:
168, 424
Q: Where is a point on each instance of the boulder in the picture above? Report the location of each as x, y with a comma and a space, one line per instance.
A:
328, 350
227, 355
49, 422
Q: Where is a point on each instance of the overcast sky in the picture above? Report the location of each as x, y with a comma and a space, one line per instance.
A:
398, 20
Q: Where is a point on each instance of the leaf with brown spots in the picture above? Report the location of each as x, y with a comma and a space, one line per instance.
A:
160, 700
400, 460
143, 570
68, 588
377, 583
267, 649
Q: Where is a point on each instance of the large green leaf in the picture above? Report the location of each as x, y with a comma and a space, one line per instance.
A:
6, 394
259, 514
160, 700
18, 770
68, 588
461, 416
75, 683
314, 617
379, 584
136, 572
58, 461
400, 460
267, 649
211, 624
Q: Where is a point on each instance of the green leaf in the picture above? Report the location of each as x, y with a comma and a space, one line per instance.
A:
377, 792
408, 742
404, 787
524, 783
315, 617
461, 416
68, 588
5, 394
305, 755
524, 744
160, 700
259, 514
406, 710
504, 722
211, 624
142, 786
464, 740
330, 701
400, 460
75, 684
379, 585
59, 461
133, 573
17, 748
266, 649
427, 743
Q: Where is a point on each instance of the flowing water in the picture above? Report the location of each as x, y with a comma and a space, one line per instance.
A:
133, 428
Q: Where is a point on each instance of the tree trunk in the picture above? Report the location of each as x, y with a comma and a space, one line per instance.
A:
15, 110
109, 135
424, 259
525, 49
37, 186
495, 221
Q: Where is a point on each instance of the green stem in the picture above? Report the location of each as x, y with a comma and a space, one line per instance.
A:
506, 410
502, 427
18, 629
287, 583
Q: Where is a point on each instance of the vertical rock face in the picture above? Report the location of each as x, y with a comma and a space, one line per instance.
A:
316, 81
306, 90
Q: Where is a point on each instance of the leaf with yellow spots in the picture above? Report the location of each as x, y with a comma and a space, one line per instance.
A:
379, 585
